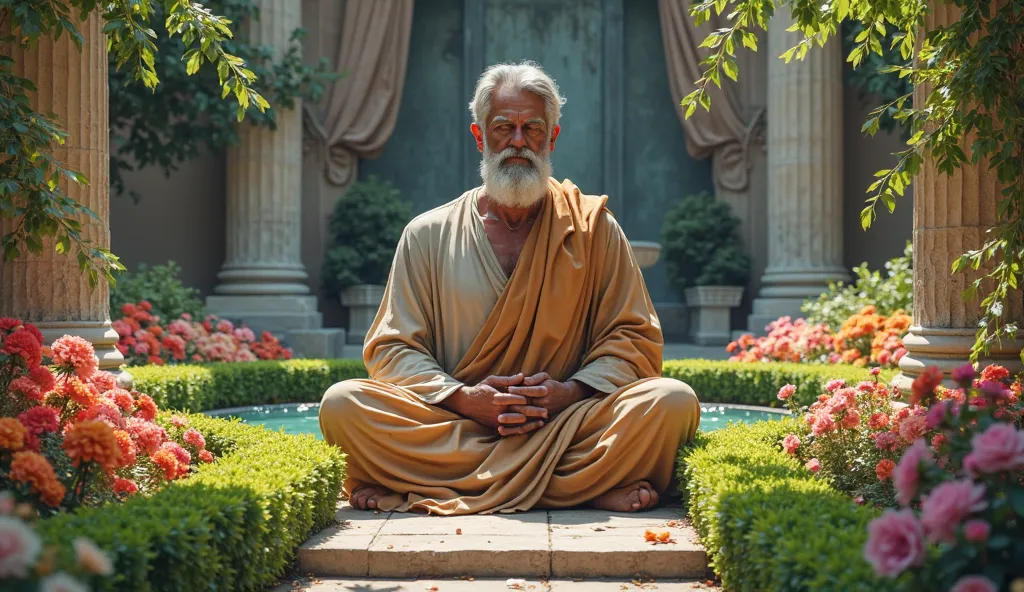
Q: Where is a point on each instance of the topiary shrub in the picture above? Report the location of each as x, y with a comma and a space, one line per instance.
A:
766, 522
365, 226
888, 294
702, 246
159, 285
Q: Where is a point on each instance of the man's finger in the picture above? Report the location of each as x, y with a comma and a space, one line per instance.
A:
530, 411
505, 399
511, 418
536, 379
505, 381
519, 430
533, 392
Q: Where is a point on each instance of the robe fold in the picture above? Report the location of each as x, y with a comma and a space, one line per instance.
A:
575, 306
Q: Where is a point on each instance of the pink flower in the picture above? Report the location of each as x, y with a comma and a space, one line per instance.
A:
865, 386
876, 371
999, 448
184, 458
813, 465
948, 505
886, 441
790, 443
147, 435
834, 385
225, 326
936, 414
878, 421
913, 427
851, 420
206, 456
895, 542
179, 421
976, 530
973, 584
964, 374
193, 437
103, 381
91, 558
906, 476
19, 548
75, 352
786, 392
823, 425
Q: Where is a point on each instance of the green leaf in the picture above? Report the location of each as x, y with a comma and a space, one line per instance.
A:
729, 65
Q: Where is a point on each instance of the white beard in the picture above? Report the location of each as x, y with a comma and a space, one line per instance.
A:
515, 185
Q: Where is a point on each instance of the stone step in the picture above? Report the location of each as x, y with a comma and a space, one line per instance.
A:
491, 585
538, 544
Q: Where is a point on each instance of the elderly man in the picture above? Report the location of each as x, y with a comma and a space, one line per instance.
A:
515, 361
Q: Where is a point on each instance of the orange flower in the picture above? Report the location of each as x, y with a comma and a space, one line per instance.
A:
127, 447
92, 441
33, 468
884, 468
166, 460
80, 392
12, 434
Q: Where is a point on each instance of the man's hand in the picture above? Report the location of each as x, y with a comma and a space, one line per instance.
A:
550, 394
489, 404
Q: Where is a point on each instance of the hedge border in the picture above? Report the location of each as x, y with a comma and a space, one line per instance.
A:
766, 522
235, 524
219, 386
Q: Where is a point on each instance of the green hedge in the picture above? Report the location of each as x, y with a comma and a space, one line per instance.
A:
766, 523
217, 386
233, 525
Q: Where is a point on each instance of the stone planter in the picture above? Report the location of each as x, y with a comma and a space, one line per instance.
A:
363, 302
645, 252
710, 309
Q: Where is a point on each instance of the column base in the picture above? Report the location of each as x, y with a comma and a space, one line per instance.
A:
948, 349
768, 310
293, 318
100, 334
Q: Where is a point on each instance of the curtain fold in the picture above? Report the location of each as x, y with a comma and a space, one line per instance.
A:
361, 107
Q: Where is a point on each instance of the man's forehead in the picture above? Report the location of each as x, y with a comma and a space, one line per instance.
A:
516, 101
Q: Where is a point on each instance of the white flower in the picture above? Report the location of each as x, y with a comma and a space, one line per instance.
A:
61, 582
19, 548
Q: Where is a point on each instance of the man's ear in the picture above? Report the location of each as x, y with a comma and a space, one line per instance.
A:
554, 136
478, 134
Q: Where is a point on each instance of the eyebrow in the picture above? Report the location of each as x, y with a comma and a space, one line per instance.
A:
503, 119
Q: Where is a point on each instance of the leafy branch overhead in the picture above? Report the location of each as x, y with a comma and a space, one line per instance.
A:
969, 74
185, 116
30, 193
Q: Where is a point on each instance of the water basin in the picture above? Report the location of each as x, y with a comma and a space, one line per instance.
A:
302, 418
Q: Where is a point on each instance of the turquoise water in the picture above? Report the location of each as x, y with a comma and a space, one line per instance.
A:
302, 419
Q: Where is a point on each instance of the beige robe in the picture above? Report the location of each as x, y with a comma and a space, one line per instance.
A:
575, 307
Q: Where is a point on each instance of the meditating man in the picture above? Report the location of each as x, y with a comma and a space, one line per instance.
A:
515, 361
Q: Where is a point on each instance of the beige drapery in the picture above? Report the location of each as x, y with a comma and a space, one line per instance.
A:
362, 106
722, 133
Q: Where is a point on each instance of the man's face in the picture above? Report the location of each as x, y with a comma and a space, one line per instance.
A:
516, 145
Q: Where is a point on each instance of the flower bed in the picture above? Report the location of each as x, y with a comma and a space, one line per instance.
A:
234, 525
766, 522
218, 386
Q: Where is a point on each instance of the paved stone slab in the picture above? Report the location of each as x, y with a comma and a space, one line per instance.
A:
528, 524
617, 556
490, 585
441, 556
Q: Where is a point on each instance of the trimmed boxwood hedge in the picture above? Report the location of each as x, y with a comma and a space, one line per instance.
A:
217, 386
234, 525
766, 523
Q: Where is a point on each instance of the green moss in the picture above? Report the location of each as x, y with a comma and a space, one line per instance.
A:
233, 525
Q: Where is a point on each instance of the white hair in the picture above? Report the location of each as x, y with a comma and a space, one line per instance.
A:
525, 75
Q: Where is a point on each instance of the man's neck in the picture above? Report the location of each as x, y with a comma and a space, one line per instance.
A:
512, 216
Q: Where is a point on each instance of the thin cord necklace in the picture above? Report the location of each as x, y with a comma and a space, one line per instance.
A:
491, 215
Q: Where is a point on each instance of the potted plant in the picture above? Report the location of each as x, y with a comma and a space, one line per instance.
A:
365, 227
706, 263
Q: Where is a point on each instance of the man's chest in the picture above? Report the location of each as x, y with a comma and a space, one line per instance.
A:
507, 245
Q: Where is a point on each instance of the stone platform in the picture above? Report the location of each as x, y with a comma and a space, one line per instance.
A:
491, 585
537, 545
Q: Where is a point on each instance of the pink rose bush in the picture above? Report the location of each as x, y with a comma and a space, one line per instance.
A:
145, 339
959, 487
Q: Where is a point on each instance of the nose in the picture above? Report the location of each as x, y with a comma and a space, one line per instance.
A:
518, 139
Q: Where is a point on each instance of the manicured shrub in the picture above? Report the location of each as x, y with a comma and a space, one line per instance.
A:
766, 523
217, 386
758, 384
235, 525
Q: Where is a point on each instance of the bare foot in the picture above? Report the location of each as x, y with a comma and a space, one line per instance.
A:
632, 498
365, 498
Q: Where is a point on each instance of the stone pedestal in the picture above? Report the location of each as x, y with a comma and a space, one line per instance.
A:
50, 290
363, 302
805, 176
711, 312
951, 216
263, 280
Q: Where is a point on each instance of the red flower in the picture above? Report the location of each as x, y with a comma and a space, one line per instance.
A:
925, 384
145, 408
42, 376
995, 373
24, 345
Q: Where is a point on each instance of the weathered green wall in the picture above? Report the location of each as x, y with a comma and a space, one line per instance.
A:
620, 133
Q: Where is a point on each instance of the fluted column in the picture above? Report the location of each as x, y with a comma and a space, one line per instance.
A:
805, 175
50, 290
952, 214
263, 280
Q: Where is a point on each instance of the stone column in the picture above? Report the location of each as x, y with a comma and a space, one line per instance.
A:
263, 281
805, 176
50, 290
951, 216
